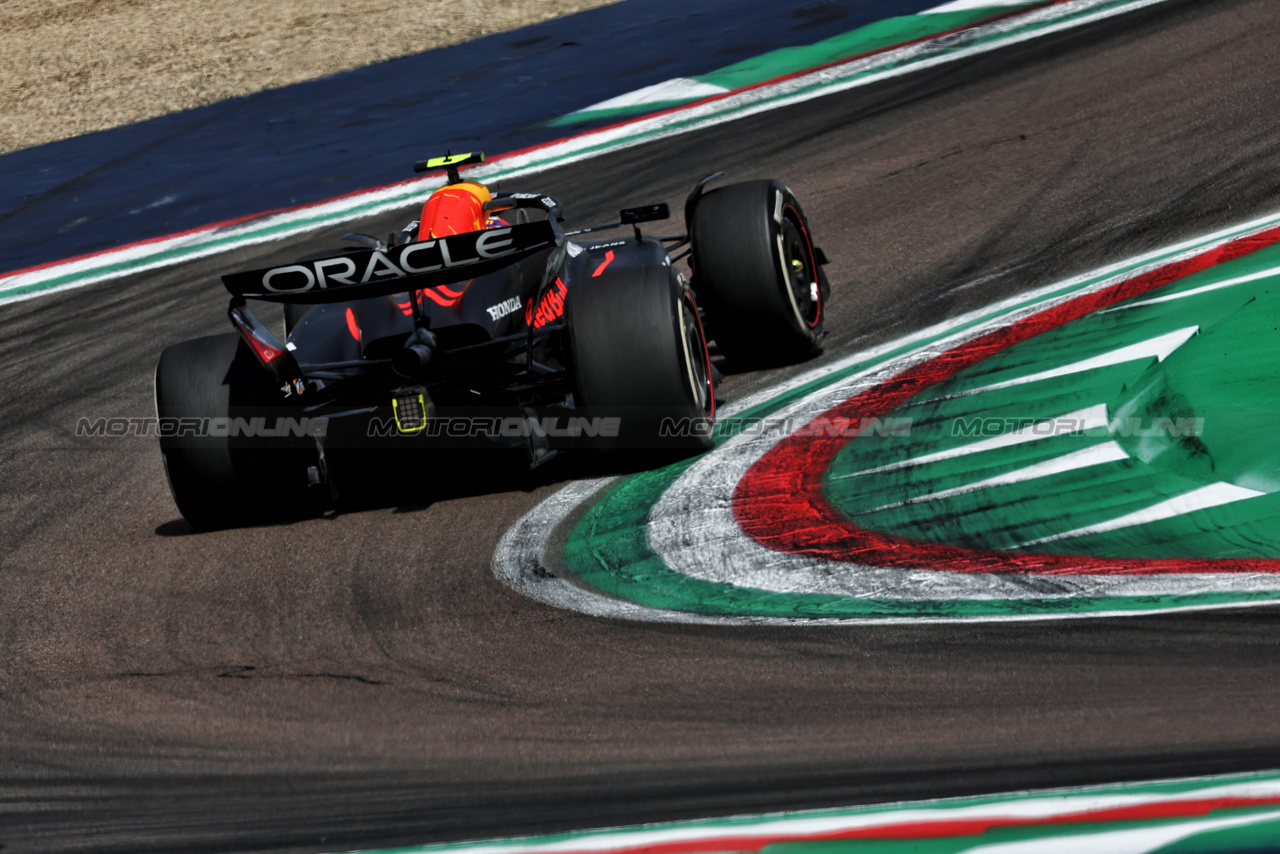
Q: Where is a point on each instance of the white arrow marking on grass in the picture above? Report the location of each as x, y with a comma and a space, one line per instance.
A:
1160, 347
1092, 418
1213, 495
1109, 452
1265, 274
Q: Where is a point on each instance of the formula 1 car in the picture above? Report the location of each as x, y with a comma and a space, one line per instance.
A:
483, 322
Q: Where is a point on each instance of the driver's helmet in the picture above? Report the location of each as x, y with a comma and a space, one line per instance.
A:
454, 209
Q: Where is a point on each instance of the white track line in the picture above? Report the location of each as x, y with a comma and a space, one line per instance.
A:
1194, 292
1013, 806
677, 89
966, 5
1140, 840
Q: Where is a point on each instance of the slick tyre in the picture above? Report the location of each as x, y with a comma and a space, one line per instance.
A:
639, 355
224, 478
756, 273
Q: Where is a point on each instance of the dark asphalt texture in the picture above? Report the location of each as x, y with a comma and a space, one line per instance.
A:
362, 680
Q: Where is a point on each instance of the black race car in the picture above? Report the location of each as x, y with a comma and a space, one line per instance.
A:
484, 323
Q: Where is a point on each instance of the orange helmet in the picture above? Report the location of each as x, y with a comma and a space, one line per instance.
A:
454, 209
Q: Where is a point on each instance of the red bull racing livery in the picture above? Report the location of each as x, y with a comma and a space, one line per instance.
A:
484, 324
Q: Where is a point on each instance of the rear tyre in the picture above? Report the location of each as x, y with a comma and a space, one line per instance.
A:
639, 355
228, 480
755, 271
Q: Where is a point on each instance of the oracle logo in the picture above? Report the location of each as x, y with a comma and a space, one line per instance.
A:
426, 256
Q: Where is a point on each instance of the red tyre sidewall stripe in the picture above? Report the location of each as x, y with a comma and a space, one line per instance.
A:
781, 503
706, 354
813, 264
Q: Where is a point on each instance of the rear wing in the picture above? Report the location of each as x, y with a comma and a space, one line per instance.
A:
407, 267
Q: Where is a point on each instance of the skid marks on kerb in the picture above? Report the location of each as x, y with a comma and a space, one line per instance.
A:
666, 545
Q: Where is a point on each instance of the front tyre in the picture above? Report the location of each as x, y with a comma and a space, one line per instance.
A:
219, 476
756, 272
640, 356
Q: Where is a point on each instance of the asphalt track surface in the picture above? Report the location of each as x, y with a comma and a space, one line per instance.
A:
363, 680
